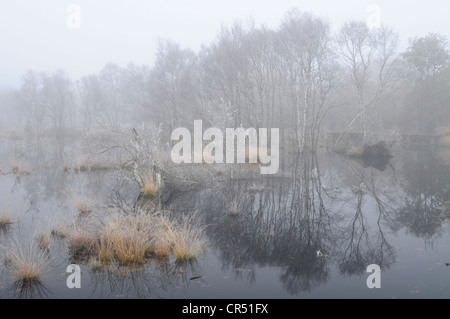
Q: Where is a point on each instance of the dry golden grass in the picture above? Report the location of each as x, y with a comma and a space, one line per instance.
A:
160, 244
150, 188
186, 238
161, 248
125, 239
83, 206
131, 239
25, 264
104, 250
81, 243
128, 245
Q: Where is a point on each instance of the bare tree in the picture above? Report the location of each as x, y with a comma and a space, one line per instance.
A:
30, 99
92, 99
310, 67
367, 56
173, 88
58, 100
114, 108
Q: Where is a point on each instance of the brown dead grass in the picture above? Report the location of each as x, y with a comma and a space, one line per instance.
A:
150, 188
132, 239
26, 264
186, 237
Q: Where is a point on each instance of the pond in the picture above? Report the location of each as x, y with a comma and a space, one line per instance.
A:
309, 231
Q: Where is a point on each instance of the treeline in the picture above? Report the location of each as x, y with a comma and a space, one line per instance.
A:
300, 77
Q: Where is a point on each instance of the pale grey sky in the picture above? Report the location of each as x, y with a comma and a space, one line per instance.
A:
34, 33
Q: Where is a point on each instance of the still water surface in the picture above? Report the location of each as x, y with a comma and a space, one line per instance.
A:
308, 232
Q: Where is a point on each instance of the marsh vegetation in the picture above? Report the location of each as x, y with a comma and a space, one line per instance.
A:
87, 173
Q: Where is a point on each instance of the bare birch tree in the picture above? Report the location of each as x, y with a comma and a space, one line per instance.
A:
367, 56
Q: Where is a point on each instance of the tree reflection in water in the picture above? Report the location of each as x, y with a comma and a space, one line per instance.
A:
295, 222
427, 200
323, 203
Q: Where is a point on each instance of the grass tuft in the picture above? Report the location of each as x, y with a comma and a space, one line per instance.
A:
125, 239
150, 188
187, 239
26, 264
83, 206
131, 239
81, 243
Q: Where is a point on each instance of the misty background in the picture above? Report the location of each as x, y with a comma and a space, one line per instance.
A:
90, 92
230, 63
34, 34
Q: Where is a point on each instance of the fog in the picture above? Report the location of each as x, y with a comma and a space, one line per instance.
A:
35, 35
166, 147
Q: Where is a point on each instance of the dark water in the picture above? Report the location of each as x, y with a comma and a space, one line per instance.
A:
308, 232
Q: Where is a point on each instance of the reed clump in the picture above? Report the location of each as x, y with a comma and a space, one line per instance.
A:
125, 239
186, 238
83, 206
26, 264
81, 243
130, 239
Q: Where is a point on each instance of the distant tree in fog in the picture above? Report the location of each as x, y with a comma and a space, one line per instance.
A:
367, 55
172, 89
428, 59
310, 68
92, 99
58, 100
290, 77
31, 103
114, 107
137, 91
